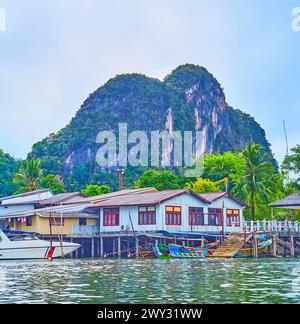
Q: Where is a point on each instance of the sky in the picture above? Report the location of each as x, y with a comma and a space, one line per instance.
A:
54, 53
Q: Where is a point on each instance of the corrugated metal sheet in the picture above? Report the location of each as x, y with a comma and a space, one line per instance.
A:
114, 194
290, 201
148, 198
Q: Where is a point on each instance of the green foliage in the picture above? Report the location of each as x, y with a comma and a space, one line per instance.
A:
52, 182
291, 162
161, 180
203, 186
220, 166
8, 167
28, 176
254, 183
95, 190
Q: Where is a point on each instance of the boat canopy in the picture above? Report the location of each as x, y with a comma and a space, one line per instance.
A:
11, 232
170, 233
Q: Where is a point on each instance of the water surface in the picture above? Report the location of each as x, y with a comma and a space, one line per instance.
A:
150, 281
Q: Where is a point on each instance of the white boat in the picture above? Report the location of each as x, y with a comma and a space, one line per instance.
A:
16, 245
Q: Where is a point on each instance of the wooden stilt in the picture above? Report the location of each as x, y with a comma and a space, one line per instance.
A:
255, 242
114, 248
119, 247
274, 246
93, 247
137, 247
292, 245
101, 247
128, 247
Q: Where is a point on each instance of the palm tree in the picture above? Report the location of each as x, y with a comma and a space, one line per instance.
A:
29, 175
254, 181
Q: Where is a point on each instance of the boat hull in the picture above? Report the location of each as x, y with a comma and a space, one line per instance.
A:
44, 251
182, 252
248, 252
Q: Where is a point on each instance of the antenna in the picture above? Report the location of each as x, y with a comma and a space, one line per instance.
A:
286, 138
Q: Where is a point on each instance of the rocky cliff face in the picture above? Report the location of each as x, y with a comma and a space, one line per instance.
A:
190, 98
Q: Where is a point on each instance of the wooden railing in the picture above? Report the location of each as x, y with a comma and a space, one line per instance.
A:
271, 226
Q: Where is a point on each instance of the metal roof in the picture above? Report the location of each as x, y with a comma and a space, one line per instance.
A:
213, 196
290, 202
148, 198
61, 198
67, 209
124, 192
26, 194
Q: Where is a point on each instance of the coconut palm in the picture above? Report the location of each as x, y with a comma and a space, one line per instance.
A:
29, 175
255, 179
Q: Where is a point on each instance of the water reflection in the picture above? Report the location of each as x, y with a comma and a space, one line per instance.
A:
151, 281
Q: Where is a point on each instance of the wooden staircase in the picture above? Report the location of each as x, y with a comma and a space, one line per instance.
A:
231, 246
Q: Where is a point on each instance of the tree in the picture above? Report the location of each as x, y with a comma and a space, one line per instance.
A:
255, 181
95, 190
52, 182
8, 167
220, 166
161, 180
28, 176
291, 162
203, 186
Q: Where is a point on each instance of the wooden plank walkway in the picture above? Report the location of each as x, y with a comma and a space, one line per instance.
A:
231, 245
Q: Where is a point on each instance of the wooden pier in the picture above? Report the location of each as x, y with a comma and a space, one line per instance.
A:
285, 238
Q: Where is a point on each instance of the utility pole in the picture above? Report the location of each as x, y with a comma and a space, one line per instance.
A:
286, 139
121, 174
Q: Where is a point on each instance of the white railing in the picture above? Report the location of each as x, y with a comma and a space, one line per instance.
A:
271, 226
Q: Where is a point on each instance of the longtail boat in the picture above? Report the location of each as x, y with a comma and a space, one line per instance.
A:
161, 251
249, 252
182, 252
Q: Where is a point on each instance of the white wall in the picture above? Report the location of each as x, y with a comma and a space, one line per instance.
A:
185, 201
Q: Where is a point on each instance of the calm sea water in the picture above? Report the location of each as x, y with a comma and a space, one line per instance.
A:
151, 281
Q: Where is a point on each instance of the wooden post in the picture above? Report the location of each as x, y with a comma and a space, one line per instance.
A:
119, 247
274, 245
113, 247
292, 245
93, 248
255, 246
101, 246
137, 247
128, 246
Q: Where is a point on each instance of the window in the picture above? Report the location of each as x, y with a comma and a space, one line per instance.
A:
82, 222
233, 217
215, 216
111, 217
28, 221
147, 215
56, 221
196, 216
173, 215
11, 223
